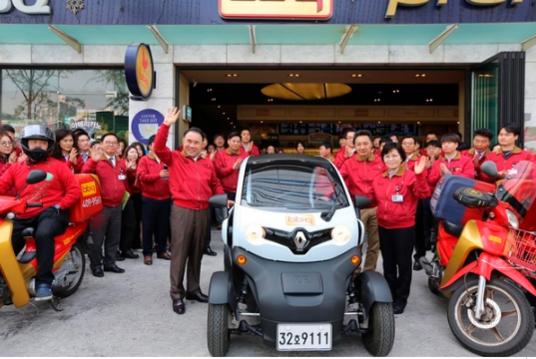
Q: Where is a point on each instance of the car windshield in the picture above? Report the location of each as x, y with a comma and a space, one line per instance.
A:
518, 188
293, 185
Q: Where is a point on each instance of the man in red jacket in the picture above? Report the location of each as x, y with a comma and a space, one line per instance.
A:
247, 143
112, 173
359, 174
347, 151
192, 181
409, 145
55, 195
227, 164
156, 204
481, 142
452, 162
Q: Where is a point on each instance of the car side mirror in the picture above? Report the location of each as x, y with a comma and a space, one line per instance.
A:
36, 176
361, 202
489, 168
218, 200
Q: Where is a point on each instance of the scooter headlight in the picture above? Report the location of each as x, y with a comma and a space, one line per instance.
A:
341, 234
254, 234
512, 218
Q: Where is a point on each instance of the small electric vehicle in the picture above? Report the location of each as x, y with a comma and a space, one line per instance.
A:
290, 260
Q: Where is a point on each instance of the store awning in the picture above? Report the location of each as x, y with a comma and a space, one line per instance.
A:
301, 34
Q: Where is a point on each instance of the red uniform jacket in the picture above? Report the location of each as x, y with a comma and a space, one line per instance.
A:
392, 214
503, 164
224, 168
75, 168
113, 181
152, 185
471, 153
192, 182
62, 188
254, 150
359, 174
340, 158
458, 166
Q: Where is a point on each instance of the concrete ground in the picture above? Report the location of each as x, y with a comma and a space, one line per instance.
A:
130, 315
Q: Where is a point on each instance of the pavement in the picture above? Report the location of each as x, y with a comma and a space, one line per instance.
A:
130, 314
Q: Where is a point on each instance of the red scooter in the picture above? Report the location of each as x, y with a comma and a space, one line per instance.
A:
482, 260
17, 273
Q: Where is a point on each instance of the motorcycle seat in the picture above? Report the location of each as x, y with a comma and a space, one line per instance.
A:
27, 232
454, 229
472, 198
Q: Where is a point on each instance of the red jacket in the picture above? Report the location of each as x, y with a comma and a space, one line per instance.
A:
410, 163
405, 183
458, 166
75, 168
503, 164
359, 174
471, 153
223, 164
254, 150
63, 188
340, 157
153, 186
113, 181
192, 182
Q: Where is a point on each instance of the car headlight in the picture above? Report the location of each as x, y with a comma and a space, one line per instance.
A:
254, 234
512, 218
341, 235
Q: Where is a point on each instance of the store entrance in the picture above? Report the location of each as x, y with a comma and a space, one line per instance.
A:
284, 107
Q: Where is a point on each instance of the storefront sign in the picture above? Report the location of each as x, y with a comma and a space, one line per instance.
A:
40, 6
276, 9
145, 124
393, 4
139, 71
86, 119
319, 137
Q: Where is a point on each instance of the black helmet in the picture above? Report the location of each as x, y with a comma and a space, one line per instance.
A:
37, 132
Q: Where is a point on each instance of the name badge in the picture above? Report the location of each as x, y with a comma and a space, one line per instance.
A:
512, 171
121, 177
397, 198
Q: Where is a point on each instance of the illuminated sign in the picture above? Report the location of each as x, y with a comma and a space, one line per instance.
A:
393, 4
276, 9
139, 71
39, 7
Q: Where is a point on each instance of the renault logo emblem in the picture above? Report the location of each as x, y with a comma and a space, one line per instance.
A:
300, 240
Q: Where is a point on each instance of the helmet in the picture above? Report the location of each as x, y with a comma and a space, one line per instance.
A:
37, 132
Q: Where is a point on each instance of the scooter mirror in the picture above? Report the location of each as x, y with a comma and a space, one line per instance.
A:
36, 176
219, 200
489, 168
361, 202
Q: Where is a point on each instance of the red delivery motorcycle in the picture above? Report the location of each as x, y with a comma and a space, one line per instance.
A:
482, 260
17, 273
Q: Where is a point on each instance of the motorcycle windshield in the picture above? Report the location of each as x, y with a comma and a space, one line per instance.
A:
518, 188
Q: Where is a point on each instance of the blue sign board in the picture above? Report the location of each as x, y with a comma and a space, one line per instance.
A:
145, 124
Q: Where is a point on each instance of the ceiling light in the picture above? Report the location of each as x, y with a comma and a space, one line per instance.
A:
262, 121
379, 122
228, 118
301, 121
231, 123
339, 121
223, 113
306, 91
417, 75
235, 75
209, 90
359, 75
219, 106
418, 122
234, 126
293, 75
213, 99
423, 75
229, 75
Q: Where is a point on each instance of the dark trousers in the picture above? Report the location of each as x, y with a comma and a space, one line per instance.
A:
105, 224
47, 225
136, 240
396, 246
428, 224
420, 241
128, 226
208, 236
188, 229
155, 221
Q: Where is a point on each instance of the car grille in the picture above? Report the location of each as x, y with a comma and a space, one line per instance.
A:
299, 241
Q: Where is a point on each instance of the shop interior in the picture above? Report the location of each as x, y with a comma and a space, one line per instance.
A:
284, 106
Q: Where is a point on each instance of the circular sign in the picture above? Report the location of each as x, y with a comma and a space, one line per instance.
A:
139, 71
145, 124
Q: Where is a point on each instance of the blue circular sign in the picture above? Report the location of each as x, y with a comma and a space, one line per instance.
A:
145, 124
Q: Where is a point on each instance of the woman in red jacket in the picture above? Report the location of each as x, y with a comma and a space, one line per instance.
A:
397, 191
66, 152
8, 156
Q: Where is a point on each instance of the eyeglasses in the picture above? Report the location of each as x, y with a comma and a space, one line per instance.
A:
111, 143
6, 144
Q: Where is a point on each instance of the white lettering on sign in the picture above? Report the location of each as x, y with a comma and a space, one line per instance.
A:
393, 4
90, 202
40, 6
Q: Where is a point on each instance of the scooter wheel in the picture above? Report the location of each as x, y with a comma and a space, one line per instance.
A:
75, 265
504, 329
218, 329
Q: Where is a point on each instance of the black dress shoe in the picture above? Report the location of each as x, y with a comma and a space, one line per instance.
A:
114, 268
417, 266
130, 254
97, 272
398, 309
119, 257
210, 252
178, 306
200, 297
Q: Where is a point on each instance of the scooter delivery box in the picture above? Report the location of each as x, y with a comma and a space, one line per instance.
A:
90, 202
444, 205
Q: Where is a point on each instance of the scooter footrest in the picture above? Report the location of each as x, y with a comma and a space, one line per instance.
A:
27, 257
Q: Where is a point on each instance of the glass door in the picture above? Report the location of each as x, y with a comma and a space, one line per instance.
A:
485, 98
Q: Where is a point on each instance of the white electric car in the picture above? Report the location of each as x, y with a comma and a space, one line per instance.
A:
291, 250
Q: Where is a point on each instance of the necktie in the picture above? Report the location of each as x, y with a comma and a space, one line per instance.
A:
84, 157
112, 161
